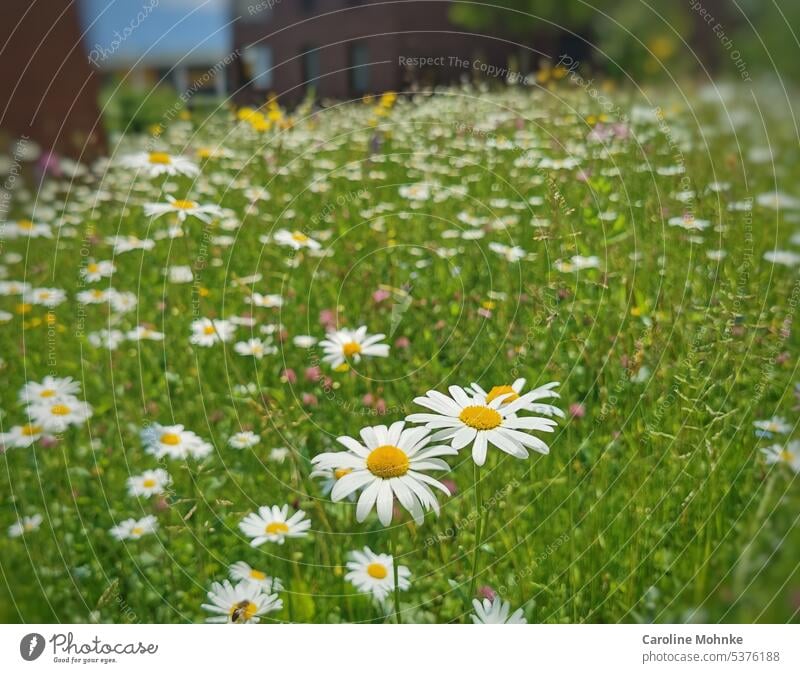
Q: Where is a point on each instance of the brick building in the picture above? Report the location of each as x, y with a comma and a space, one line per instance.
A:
347, 48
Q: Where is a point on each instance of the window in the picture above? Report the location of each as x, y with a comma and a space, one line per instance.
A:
257, 62
359, 68
311, 65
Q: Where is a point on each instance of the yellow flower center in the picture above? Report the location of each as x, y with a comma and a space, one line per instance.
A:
137, 530
300, 237
480, 418
786, 456
497, 391
92, 268
257, 575
49, 392
243, 611
276, 528
341, 472
387, 462
208, 329
25, 224
59, 410
23, 308
159, 158
377, 570
351, 348
170, 438
149, 483
184, 204
29, 430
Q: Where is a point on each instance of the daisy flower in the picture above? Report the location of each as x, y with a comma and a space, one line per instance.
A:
207, 332
295, 240
341, 345
133, 529
12, 287
242, 572
56, 415
514, 391
462, 420
106, 338
495, 612
784, 455
142, 333
373, 574
45, 296
391, 463
776, 424
304, 341
273, 524
244, 440
21, 436
150, 482
265, 300
159, 163
27, 524
330, 476
244, 603
50, 389
255, 347
24, 229
95, 271
173, 441
577, 263
179, 273
183, 208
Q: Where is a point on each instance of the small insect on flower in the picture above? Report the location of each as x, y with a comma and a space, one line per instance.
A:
244, 603
495, 612
133, 529
242, 572
373, 574
150, 482
343, 345
273, 524
391, 463
461, 420
27, 524
154, 164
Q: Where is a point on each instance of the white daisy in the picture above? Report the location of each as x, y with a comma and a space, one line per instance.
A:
207, 332
94, 271
341, 345
295, 240
577, 263
142, 333
509, 253
106, 338
784, 455
12, 287
21, 436
514, 391
150, 482
51, 389
495, 612
57, 415
244, 439
462, 420
255, 347
373, 574
173, 441
329, 477
391, 463
183, 208
784, 257
244, 603
123, 244
45, 296
273, 524
179, 273
24, 229
159, 163
776, 424
265, 300
133, 529
27, 524
242, 572
304, 341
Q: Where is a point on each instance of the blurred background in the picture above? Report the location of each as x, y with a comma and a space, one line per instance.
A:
80, 71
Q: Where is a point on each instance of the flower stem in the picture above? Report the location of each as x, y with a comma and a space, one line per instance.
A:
478, 534
393, 552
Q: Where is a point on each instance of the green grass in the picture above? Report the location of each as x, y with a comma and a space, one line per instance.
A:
655, 505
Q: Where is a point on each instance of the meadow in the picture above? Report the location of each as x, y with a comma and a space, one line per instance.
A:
181, 348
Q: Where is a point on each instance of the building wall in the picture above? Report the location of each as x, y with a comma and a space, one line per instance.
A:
49, 89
